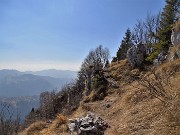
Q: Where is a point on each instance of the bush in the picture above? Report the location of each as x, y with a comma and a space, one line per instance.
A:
158, 85
152, 56
100, 86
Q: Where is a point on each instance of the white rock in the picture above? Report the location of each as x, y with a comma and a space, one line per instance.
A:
90, 124
136, 55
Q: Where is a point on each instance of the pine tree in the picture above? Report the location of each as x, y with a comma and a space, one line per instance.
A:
126, 43
168, 17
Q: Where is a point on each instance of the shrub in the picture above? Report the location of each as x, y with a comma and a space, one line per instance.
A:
152, 56
158, 85
100, 86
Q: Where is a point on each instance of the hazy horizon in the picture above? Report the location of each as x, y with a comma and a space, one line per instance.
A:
39, 35
38, 70
29, 66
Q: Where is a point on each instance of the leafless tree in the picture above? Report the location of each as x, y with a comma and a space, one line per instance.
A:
151, 26
9, 123
145, 32
94, 62
96, 58
152, 23
47, 105
138, 33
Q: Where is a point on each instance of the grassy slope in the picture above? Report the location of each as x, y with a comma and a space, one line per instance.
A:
129, 108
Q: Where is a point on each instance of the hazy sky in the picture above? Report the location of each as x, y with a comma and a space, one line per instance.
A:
58, 34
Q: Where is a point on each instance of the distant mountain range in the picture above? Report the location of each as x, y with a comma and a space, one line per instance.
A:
14, 83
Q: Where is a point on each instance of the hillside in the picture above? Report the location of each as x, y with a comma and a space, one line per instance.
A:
131, 106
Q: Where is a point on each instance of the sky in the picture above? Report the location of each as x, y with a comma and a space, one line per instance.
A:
58, 34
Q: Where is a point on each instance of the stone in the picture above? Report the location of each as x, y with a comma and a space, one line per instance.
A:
175, 36
108, 105
174, 50
89, 125
161, 57
136, 55
72, 126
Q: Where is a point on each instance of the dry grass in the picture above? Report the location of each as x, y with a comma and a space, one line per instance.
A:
58, 126
121, 74
173, 52
114, 68
34, 128
170, 68
135, 111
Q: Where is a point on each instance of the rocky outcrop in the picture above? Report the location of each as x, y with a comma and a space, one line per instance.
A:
175, 36
136, 55
89, 125
174, 51
160, 58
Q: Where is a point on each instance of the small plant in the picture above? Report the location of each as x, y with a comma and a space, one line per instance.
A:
152, 56
62, 119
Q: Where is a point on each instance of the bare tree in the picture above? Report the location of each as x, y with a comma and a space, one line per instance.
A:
151, 25
94, 62
138, 33
145, 32
47, 104
96, 58
9, 123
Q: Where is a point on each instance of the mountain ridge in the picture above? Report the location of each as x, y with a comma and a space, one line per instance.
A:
15, 83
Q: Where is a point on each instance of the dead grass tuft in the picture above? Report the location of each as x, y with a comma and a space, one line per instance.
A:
34, 128
169, 67
58, 126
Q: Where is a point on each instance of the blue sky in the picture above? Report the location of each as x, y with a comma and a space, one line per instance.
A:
58, 34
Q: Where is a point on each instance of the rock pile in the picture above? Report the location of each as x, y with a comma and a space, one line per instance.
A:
89, 125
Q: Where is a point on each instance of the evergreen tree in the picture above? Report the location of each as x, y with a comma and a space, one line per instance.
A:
168, 17
126, 43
